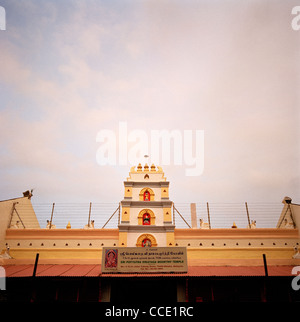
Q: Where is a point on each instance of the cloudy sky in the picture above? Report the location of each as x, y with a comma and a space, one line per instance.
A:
70, 69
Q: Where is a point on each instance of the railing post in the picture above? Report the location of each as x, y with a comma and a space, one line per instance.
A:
193, 215
51, 215
208, 215
265, 265
35, 264
90, 214
248, 215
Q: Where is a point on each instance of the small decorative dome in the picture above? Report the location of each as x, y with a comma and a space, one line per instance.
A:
153, 169
139, 167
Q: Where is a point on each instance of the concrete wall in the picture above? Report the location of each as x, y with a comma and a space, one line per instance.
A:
60, 243
25, 210
296, 214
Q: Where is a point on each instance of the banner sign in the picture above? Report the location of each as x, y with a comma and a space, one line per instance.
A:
144, 259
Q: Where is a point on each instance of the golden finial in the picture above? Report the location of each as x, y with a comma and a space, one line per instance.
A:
139, 168
234, 225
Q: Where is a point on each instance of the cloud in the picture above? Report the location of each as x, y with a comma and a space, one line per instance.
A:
228, 69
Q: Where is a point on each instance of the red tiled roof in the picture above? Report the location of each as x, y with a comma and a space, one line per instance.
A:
95, 270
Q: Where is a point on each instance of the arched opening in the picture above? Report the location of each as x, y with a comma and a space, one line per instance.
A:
146, 194
146, 217
146, 240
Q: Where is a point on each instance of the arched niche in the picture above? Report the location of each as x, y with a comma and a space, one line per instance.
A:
146, 194
146, 240
146, 217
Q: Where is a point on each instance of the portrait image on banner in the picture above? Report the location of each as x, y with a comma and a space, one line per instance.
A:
111, 259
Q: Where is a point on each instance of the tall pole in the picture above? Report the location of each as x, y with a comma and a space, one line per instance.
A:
182, 217
52, 215
111, 217
12, 213
265, 265
208, 215
248, 215
90, 214
35, 264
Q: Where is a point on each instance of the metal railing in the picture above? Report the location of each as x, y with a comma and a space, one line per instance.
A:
78, 214
107, 215
223, 215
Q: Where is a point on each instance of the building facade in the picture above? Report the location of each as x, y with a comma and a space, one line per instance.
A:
146, 219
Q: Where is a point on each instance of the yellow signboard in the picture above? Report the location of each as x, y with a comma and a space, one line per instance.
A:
144, 259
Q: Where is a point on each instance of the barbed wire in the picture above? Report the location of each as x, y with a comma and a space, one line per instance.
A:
77, 214
222, 215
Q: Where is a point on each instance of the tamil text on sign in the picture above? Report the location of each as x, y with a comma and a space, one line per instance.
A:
140, 259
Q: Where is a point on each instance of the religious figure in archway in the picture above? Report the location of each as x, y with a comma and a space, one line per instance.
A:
146, 242
146, 219
146, 195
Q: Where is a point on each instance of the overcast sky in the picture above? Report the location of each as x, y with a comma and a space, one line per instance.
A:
70, 69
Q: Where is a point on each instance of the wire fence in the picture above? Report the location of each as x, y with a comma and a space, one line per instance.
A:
220, 215
223, 215
77, 214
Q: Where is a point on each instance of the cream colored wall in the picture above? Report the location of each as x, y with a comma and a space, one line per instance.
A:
277, 244
286, 214
296, 214
61, 243
25, 211
238, 243
5, 212
241, 253
52, 254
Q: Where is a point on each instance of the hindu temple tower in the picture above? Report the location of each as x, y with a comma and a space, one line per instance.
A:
146, 218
